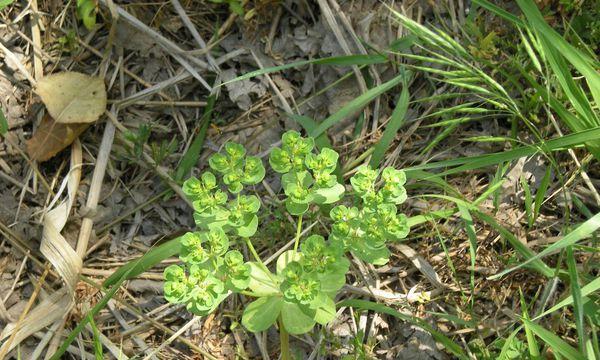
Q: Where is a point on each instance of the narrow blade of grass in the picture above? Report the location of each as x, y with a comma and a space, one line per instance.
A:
191, 156
127, 271
476, 162
355, 105
556, 343
577, 300
396, 121
145, 262
534, 349
98, 353
588, 289
576, 57
332, 61
3, 124
579, 233
382, 309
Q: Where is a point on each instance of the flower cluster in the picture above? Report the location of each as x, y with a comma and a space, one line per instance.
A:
307, 177
365, 231
210, 270
209, 273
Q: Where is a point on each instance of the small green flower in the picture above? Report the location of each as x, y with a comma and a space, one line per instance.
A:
393, 190
176, 288
297, 287
297, 185
196, 189
217, 241
325, 161
242, 209
237, 272
210, 201
318, 256
363, 181
291, 155
254, 171
192, 251
236, 169
280, 160
343, 213
205, 292
323, 179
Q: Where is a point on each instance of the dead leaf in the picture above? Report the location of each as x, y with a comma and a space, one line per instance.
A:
72, 97
51, 137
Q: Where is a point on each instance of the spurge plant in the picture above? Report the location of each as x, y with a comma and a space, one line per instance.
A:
300, 291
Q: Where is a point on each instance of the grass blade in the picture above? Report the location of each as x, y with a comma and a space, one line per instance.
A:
577, 300
556, 343
355, 105
3, 124
476, 162
98, 354
581, 232
333, 61
145, 262
396, 121
380, 308
592, 287
191, 156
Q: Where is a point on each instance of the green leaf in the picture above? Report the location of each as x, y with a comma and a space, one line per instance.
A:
336, 61
86, 9
261, 282
577, 299
296, 319
555, 342
135, 267
3, 4
581, 232
396, 121
355, 105
3, 122
325, 310
192, 154
295, 208
328, 195
249, 229
308, 124
590, 288
260, 314
382, 309
96, 339
477, 162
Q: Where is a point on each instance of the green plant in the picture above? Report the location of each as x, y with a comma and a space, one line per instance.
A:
5, 3
86, 11
300, 292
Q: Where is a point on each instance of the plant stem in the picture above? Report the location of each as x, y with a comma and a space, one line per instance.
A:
298, 231
284, 341
254, 253
258, 259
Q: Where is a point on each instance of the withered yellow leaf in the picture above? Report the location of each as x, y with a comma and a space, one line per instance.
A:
51, 137
72, 97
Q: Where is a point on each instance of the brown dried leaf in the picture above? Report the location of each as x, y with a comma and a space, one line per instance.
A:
51, 137
72, 97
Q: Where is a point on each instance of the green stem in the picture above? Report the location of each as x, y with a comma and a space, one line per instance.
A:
258, 259
284, 341
298, 231
253, 252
